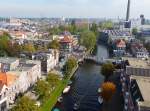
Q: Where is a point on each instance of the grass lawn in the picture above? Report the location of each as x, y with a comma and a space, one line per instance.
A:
52, 100
50, 103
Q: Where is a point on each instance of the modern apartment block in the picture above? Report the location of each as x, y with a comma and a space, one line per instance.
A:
140, 88
138, 67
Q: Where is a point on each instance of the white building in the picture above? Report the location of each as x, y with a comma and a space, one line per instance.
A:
140, 88
138, 67
3, 97
18, 76
49, 59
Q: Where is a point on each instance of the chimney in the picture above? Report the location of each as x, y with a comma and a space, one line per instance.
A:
128, 11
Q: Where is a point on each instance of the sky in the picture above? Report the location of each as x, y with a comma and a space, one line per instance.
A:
73, 8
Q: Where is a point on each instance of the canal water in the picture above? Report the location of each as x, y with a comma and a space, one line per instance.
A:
86, 82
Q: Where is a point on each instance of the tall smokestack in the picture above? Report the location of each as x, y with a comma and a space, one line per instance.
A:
128, 11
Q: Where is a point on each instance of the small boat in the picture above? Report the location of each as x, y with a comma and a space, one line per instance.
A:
70, 82
66, 90
100, 100
56, 109
60, 99
76, 106
99, 90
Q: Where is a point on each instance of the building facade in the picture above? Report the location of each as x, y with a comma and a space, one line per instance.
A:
18, 77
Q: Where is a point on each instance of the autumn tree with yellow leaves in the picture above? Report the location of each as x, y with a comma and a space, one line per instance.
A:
108, 90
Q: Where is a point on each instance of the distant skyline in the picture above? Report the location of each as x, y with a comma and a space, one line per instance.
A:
73, 8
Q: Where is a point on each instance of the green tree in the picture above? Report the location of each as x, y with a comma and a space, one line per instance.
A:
54, 45
25, 104
5, 36
54, 31
74, 27
107, 25
4, 39
29, 48
147, 46
42, 89
53, 79
107, 70
3, 53
88, 39
134, 31
94, 28
70, 64
13, 49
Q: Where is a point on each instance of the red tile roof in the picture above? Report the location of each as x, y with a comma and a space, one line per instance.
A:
121, 43
66, 39
7, 78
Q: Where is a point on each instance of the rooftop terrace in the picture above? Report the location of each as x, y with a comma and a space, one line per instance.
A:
138, 63
144, 86
7, 60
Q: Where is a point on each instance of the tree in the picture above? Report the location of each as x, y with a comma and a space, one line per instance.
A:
42, 89
94, 28
147, 46
25, 104
13, 49
88, 39
29, 48
54, 45
106, 25
108, 90
134, 31
54, 31
3, 53
53, 79
4, 39
70, 64
5, 36
107, 70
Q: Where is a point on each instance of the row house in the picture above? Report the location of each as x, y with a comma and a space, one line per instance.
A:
119, 47
18, 78
49, 59
3, 97
138, 50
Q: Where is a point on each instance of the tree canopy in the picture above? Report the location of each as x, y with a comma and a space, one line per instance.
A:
94, 28
106, 25
43, 88
134, 31
29, 48
54, 45
107, 70
4, 39
108, 89
70, 64
53, 79
25, 104
88, 39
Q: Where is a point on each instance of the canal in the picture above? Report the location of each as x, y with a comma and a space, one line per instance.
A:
86, 82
